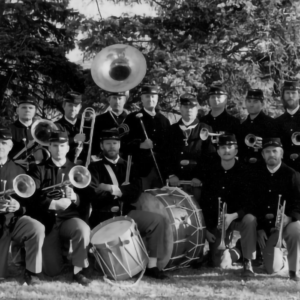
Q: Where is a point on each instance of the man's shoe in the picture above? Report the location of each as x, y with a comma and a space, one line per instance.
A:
155, 273
294, 276
226, 261
31, 279
248, 271
81, 279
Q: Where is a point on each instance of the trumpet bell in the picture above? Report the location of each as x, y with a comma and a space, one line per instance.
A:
250, 140
118, 68
204, 134
80, 177
41, 131
24, 186
296, 138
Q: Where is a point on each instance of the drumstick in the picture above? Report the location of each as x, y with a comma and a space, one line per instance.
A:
128, 169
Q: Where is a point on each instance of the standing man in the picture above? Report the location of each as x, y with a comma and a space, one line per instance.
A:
14, 224
108, 195
218, 118
185, 146
157, 127
58, 211
269, 181
113, 118
257, 124
289, 124
71, 124
226, 180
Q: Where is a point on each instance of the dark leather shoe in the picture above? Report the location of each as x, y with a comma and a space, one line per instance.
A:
294, 276
31, 279
81, 279
248, 271
155, 273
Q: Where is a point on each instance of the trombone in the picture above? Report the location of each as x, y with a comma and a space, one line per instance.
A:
221, 223
204, 134
87, 115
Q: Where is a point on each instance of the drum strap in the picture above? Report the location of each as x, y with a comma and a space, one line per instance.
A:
112, 175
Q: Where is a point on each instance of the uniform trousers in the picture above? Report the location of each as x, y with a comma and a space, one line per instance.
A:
74, 230
247, 229
291, 236
151, 181
152, 228
31, 234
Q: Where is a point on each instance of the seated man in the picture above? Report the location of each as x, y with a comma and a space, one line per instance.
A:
14, 224
59, 212
106, 192
225, 180
269, 181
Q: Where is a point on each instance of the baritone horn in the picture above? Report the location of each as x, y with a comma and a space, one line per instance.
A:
279, 221
41, 131
118, 68
221, 223
204, 134
296, 138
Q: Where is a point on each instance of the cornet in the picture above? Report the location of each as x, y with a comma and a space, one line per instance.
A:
251, 140
204, 134
279, 221
221, 223
296, 138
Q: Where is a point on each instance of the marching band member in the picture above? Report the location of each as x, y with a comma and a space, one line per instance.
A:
225, 179
21, 129
14, 224
71, 124
289, 123
187, 148
258, 124
114, 117
218, 117
60, 216
157, 127
107, 190
268, 182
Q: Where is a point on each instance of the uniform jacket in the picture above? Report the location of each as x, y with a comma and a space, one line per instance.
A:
45, 175
191, 148
105, 121
267, 186
103, 201
262, 126
288, 124
157, 128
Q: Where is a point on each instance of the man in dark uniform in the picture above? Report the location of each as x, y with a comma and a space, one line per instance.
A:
59, 212
269, 181
157, 127
107, 192
225, 180
185, 146
289, 123
218, 118
71, 124
14, 224
113, 118
257, 124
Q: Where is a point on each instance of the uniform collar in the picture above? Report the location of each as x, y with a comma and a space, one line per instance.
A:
183, 123
5, 162
152, 114
116, 114
259, 116
275, 169
222, 114
53, 165
292, 112
69, 121
25, 124
114, 162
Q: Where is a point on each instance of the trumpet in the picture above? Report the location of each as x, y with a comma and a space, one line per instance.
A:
279, 221
251, 141
296, 138
87, 115
23, 185
221, 223
204, 134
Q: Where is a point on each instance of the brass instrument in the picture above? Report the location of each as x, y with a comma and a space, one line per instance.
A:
296, 138
204, 134
279, 221
41, 131
118, 68
251, 140
87, 115
221, 223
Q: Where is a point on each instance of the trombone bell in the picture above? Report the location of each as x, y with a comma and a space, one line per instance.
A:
118, 68
80, 177
24, 186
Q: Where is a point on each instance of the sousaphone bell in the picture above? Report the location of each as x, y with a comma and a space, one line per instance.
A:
118, 68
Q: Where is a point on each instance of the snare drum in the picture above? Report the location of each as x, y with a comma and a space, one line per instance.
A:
185, 230
119, 248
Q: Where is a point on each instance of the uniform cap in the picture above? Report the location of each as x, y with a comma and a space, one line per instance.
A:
59, 136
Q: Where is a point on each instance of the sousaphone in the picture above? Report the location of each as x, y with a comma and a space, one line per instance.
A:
118, 68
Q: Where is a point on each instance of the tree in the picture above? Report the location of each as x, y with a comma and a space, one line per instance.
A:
35, 36
192, 44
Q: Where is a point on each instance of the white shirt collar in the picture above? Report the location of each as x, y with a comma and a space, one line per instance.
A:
72, 122
58, 163
152, 114
113, 161
292, 112
274, 170
25, 124
187, 123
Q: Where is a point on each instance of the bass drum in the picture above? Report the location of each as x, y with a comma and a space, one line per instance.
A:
185, 227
